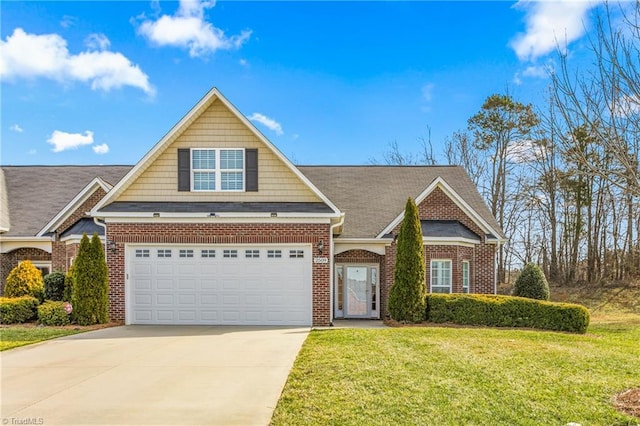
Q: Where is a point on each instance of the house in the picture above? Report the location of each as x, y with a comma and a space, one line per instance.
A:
214, 225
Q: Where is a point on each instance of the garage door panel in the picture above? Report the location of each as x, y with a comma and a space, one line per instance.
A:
220, 285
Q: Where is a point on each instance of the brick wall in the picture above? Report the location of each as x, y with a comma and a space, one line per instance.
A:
481, 257
61, 252
211, 233
10, 260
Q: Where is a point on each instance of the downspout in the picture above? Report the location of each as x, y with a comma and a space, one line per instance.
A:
103, 225
332, 268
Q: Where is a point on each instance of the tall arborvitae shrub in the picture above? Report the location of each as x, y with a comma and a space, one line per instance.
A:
89, 296
531, 283
25, 280
407, 296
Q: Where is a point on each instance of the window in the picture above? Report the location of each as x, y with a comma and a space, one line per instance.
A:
208, 253
229, 254
296, 254
217, 169
441, 276
164, 253
465, 276
274, 254
142, 253
252, 254
186, 253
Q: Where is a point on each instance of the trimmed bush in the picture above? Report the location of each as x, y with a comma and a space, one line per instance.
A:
25, 280
90, 295
531, 283
15, 310
407, 295
54, 286
53, 313
506, 311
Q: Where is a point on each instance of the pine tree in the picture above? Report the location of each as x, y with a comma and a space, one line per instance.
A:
408, 293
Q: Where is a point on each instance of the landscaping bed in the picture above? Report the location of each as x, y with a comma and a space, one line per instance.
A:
16, 335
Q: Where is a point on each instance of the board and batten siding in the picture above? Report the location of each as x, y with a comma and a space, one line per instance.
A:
217, 127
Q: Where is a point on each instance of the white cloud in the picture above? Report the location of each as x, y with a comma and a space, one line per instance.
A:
32, 152
243, 62
97, 42
68, 21
63, 141
101, 149
16, 128
49, 57
549, 25
524, 151
269, 123
188, 29
427, 91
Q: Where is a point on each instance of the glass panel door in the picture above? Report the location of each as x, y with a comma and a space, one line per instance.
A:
355, 298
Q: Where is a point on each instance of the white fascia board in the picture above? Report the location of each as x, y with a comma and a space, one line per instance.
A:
179, 128
75, 239
216, 219
373, 245
201, 215
453, 195
80, 198
447, 241
8, 244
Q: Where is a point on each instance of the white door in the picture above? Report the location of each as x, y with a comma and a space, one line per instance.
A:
235, 285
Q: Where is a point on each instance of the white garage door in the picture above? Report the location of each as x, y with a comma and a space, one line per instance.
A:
237, 285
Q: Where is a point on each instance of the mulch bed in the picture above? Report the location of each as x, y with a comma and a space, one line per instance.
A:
34, 324
628, 402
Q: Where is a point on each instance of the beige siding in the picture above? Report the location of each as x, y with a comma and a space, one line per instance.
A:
217, 127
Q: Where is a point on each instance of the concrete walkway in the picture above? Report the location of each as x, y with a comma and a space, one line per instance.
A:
156, 375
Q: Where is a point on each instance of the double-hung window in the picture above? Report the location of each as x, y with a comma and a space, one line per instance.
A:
217, 169
440, 276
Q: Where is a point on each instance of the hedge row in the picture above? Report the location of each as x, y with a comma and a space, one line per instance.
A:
53, 313
17, 309
506, 311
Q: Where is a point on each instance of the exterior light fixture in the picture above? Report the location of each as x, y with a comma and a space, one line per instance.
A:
320, 246
111, 245
274, 214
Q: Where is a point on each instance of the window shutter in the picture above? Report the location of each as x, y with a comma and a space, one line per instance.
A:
251, 170
184, 169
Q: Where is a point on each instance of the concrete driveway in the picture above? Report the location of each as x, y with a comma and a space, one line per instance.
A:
136, 375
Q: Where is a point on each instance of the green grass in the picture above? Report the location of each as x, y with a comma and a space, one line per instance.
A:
15, 336
453, 376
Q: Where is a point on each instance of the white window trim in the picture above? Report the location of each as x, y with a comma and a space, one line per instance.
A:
218, 171
468, 277
450, 275
41, 264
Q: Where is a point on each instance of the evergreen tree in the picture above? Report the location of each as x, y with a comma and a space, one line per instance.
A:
90, 283
531, 283
407, 296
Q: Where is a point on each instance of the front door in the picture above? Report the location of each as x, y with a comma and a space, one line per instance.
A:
357, 291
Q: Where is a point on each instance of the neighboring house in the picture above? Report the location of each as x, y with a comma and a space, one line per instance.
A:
214, 225
45, 209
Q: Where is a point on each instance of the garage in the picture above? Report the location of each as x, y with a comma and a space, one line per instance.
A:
219, 284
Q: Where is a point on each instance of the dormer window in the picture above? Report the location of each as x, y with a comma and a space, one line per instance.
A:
217, 169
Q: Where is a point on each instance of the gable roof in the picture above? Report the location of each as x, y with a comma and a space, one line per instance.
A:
37, 194
372, 197
213, 95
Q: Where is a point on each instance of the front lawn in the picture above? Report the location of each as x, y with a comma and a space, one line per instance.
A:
442, 375
20, 335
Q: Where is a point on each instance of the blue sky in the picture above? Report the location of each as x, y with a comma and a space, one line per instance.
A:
326, 82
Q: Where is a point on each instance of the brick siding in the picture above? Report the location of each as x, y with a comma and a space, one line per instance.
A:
210, 233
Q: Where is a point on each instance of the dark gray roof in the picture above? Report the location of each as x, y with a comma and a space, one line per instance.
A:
36, 194
85, 225
215, 207
446, 228
373, 196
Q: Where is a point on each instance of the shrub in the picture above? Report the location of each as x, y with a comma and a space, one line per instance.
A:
90, 295
17, 309
25, 280
53, 313
407, 295
68, 285
506, 311
531, 283
54, 286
